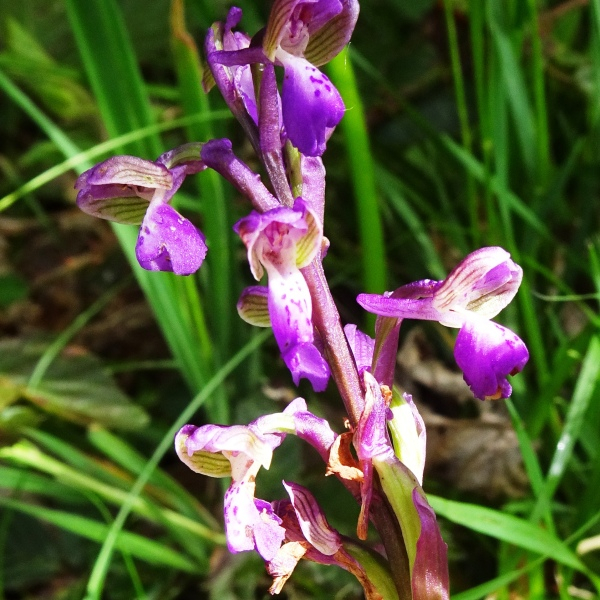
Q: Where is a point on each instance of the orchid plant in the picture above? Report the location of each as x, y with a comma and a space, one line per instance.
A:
380, 455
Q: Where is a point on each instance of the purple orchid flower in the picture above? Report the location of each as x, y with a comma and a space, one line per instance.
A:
300, 36
476, 290
128, 189
282, 241
240, 451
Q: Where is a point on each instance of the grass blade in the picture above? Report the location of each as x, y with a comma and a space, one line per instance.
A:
362, 173
507, 528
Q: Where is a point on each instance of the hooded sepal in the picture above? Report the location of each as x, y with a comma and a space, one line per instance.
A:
120, 188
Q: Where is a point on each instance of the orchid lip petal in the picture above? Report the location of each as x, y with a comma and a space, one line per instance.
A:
311, 105
487, 353
169, 242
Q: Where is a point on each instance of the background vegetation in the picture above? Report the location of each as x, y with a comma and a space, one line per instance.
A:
468, 124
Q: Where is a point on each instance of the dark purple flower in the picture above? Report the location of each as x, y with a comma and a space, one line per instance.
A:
128, 189
282, 241
476, 290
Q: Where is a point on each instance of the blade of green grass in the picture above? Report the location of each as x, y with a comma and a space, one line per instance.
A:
27, 454
532, 465
507, 528
539, 92
513, 82
392, 189
112, 70
60, 341
582, 395
165, 486
24, 481
148, 550
362, 174
214, 208
463, 117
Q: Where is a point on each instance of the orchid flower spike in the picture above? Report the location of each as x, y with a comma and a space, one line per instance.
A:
476, 290
282, 241
128, 189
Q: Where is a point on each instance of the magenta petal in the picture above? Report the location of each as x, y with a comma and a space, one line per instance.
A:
169, 242
311, 105
305, 361
487, 353
312, 520
404, 308
250, 523
362, 346
371, 438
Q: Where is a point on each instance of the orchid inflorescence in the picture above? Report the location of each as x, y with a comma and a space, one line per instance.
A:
380, 457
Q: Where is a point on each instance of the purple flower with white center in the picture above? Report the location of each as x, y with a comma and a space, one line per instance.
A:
240, 451
476, 290
301, 35
128, 189
282, 241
